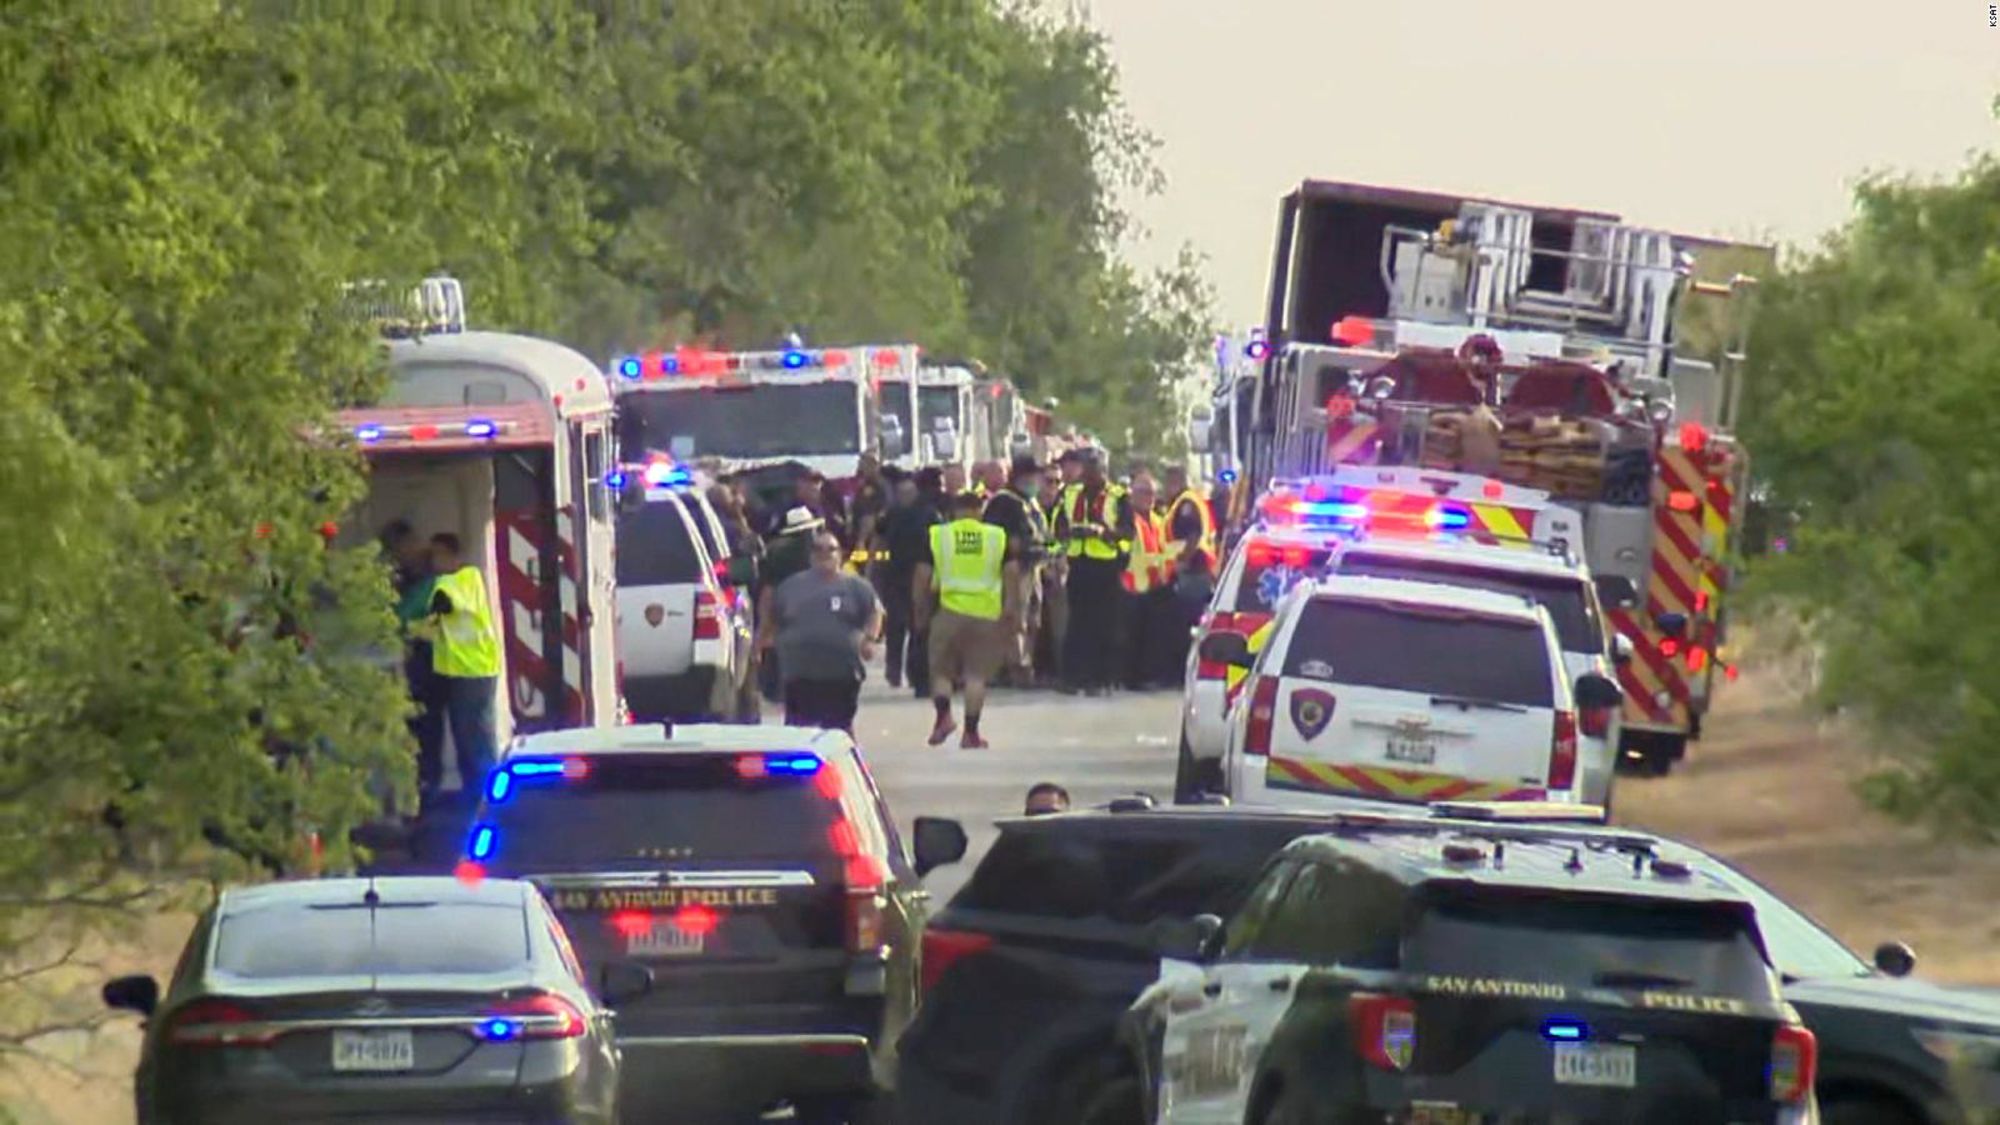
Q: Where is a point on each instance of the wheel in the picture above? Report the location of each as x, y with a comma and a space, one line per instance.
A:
749, 708
1116, 1102
1865, 1110
1185, 784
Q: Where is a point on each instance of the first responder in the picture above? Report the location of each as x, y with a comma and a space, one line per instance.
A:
1096, 529
1015, 510
1149, 609
1194, 563
968, 575
465, 652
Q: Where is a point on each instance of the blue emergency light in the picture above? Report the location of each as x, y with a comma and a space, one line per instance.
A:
480, 428
368, 433
631, 368
1559, 1029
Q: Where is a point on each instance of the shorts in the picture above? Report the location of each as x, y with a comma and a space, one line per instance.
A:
964, 649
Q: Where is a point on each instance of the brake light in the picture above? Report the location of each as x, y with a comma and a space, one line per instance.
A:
707, 616
945, 948
540, 1016
864, 877
1562, 752
1215, 669
1596, 721
1263, 716
630, 923
218, 1023
1794, 1064
1385, 1029
696, 920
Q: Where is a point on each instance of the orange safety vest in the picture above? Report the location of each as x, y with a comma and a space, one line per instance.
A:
1147, 568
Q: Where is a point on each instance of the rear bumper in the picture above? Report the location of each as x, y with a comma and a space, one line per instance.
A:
224, 1105
667, 1075
700, 692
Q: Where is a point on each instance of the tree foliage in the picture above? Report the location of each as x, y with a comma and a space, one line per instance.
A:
186, 184
1870, 407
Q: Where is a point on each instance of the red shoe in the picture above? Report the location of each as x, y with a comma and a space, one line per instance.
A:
972, 741
942, 730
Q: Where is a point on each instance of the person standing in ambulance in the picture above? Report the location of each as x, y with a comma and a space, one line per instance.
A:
466, 656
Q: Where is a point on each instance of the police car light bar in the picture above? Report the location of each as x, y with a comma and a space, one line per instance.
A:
1520, 812
370, 433
697, 362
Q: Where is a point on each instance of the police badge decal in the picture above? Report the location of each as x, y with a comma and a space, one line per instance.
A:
1312, 709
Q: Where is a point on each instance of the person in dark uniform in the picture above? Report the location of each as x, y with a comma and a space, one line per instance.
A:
1016, 510
906, 535
1096, 528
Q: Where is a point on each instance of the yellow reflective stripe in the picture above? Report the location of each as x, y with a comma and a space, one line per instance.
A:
1500, 520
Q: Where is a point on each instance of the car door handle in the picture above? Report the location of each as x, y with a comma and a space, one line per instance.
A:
1212, 989
1280, 984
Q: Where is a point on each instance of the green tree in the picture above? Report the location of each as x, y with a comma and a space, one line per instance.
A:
1876, 377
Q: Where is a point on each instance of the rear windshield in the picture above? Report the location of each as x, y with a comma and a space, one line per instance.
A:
1269, 573
690, 807
318, 941
655, 547
1564, 597
1170, 873
1583, 942
1431, 652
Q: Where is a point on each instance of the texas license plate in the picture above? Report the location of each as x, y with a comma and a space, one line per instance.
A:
1597, 1064
374, 1050
664, 939
1420, 749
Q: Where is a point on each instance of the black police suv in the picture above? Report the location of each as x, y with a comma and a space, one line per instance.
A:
1030, 968
1457, 971
756, 872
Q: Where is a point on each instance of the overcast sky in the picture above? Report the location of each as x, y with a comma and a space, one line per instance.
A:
1738, 118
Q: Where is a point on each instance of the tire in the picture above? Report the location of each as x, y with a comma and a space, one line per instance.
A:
1185, 783
1116, 1102
1866, 1110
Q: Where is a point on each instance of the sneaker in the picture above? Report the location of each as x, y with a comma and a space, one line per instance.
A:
941, 731
972, 741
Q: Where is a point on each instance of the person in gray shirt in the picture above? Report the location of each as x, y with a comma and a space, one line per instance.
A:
828, 623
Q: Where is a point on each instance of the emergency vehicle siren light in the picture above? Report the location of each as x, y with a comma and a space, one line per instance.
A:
369, 433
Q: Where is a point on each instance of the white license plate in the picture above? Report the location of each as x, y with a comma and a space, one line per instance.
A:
1597, 1064
664, 939
1421, 749
374, 1050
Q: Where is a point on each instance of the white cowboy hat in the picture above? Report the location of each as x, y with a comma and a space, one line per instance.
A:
800, 519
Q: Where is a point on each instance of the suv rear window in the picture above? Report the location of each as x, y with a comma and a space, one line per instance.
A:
1564, 597
654, 808
1429, 652
655, 547
415, 939
1270, 571
1129, 879
1602, 942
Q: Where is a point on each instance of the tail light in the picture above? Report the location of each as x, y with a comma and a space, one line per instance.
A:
864, 878
1214, 669
945, 948
1562, 752
1596, 721
1385, 1029
1794, 1064
540, 1016
1263, 715
218, 1023
707, 616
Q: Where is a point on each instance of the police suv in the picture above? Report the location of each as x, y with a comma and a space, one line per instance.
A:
1381, 689
1417, 969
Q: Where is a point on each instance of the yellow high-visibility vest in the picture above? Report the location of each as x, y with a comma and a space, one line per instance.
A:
966, 560
466, 645
1074, 503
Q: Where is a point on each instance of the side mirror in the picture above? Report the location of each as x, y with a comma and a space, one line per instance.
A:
1616, 591
1672, 624
620, 981
1621, 649
1186, 939
937, 841
740, 570
1597, 693
1895, 959
139, 994
1232, 649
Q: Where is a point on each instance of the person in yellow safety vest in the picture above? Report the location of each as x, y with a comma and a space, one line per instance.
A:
1149, 610
1095, 526
962, 595
466, 655
1195, 564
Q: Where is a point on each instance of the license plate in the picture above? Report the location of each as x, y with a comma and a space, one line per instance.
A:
664, 939
374, 1050
1597, 1064
1421, 749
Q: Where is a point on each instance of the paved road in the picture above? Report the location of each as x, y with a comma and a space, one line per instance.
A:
1096, 748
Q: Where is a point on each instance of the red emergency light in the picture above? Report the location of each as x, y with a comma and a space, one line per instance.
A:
1353, 331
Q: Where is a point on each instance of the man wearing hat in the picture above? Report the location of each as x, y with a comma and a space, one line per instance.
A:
1015, 510
787, 551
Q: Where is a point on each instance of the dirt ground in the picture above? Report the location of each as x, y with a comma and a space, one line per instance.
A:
1768, 789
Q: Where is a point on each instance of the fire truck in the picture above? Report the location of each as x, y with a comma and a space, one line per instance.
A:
1531, 344
736, 412
504, 441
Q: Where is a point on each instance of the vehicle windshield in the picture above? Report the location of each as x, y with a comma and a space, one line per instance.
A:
759, 420
1417, 649
896, 404
1627, 944
936, 403
656, 546
353, 940
1270, 571
694, 807
1563, 596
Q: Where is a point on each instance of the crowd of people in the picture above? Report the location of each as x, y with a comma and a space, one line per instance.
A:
1030, 575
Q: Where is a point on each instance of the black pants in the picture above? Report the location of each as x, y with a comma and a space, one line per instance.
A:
903, 652
427, 691
1090, 651
827, 704
1151, 658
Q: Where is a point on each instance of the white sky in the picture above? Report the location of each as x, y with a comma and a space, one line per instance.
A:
1739, 118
